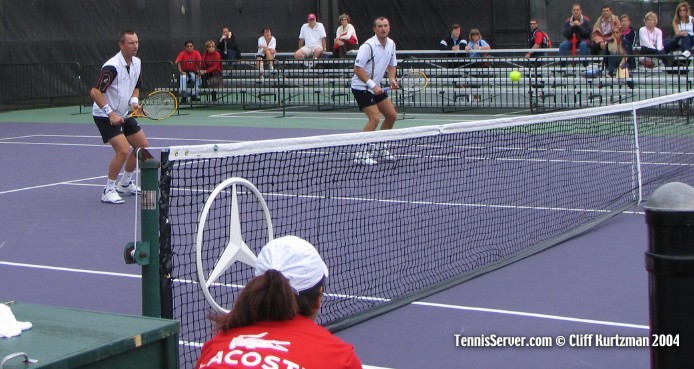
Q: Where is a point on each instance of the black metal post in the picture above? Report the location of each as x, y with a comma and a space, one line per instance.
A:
670, 263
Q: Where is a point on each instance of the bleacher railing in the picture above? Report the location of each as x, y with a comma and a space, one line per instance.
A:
456, 82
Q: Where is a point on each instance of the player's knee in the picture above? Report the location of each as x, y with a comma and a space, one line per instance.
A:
122, 154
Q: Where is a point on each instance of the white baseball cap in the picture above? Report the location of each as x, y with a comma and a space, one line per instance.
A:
9, 326
296, 259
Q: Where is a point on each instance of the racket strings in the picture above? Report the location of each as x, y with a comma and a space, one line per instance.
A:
159, 105
414, 81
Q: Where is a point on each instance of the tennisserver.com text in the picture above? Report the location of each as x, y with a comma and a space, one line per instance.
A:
572, 340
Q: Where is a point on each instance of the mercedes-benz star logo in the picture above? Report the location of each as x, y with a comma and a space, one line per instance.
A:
236, 249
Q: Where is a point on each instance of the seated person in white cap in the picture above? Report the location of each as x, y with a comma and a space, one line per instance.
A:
272, 320
311, 39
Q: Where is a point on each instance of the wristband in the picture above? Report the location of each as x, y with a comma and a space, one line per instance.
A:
107, 109
134, 100
370, 84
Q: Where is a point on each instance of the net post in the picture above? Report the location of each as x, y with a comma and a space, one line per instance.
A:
149, 215
670, 263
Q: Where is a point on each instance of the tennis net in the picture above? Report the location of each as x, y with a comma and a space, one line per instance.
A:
457, 201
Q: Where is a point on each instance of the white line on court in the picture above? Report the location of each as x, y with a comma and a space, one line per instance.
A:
54, 144
264, 114
97, 137
17, 137
420, 303
635, 212
72, 182
532, 315
85, 184
72, 270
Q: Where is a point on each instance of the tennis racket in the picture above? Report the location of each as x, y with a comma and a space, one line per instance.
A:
158, 105
413, 82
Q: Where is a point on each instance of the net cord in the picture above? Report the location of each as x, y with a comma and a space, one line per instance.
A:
256, 147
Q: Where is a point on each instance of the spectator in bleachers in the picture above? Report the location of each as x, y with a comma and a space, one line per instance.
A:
617, 58
651, 40
454, 40
684, 31
602, 31
537, 39
227, 45
629, 39
267, 47
476, 42
577, 33
211, 71
311, 39
345, 37
188, 64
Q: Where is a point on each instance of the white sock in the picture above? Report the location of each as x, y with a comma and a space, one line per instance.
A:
110, 184
126, 178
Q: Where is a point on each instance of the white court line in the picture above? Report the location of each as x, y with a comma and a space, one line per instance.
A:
420, 303
272, 113
51, 184
98, 137
55, 144
177, 280
531, 315
17, 137
72, 270
85, 184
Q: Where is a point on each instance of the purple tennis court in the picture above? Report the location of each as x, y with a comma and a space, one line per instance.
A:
60, 246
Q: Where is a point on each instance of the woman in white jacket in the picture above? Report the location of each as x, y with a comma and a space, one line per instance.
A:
345, 38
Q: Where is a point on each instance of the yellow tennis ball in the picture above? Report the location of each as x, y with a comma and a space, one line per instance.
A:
515, 76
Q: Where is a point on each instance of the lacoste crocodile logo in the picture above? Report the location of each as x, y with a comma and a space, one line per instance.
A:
254, 341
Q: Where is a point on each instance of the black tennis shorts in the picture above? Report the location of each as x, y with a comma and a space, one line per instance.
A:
366, 98
129, 127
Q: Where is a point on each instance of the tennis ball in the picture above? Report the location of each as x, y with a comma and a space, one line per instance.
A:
515, 76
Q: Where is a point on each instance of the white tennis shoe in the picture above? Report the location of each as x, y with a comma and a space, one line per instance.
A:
364, 158
130, 189
385, 155
111, 197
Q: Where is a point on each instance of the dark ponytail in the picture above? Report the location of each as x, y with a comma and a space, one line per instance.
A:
267, 297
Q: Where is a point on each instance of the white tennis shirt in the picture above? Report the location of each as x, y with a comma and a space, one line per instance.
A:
312, 36
383, 57
121, 87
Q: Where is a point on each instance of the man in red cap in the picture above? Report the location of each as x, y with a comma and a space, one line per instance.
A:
311, 39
